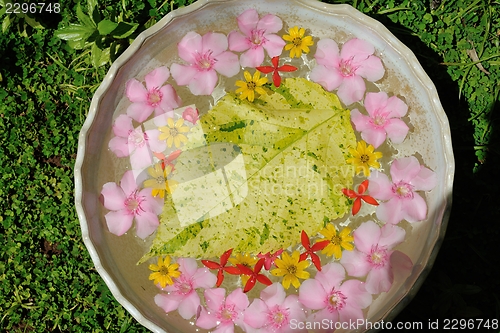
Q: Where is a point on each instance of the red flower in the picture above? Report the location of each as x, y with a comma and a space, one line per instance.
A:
269, 258
168, 160
359, 196
311, 249
222, 267
275, 70
255, 275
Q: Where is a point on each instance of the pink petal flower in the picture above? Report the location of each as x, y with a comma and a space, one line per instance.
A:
191, 115
128, 203
255, 37
345, 71
155, 97
206, 56
382, 120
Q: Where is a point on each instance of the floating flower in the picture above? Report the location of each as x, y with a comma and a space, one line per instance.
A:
346, 69
374, 256
408, 176
364, 157
223, 313
269, 258
182, 294
298, 43
134, 142
127, 203
356, 206
191, 115
207, 55
336, 299
253, 84
163, 272
291, 268
311, 249
382, 120
221, 267
258, 35
159, 183
246, 260
274, 311
168, 160
275, 69
337, 242
173, 132
254, 275
154, 97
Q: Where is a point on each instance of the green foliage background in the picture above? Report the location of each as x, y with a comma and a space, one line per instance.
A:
47, 280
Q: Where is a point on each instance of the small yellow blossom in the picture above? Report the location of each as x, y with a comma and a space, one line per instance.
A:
363, 157
291, 268
173, 132
251, 86
159, 183
337, 242
298, 43
163, 272
246, 260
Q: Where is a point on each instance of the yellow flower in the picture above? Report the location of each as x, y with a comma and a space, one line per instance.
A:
245, 260
337, 242
364, 157
298, 43
173, 132
253, 84
291, 269
159, 183
164, 272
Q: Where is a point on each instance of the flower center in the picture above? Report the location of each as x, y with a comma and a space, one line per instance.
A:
378, 256
137, 138
227, 313
335, 240
336, 300
346, 68
292, 269
364, 158
277, 317
251, 85
133, 203
257, 37
160, 180
154, 96
184, 286
403, 190
297, 41
205, 61
173, 132
164, 270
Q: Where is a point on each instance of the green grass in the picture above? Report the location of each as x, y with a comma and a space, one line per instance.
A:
47, 280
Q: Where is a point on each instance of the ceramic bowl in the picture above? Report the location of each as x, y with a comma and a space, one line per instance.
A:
115, 257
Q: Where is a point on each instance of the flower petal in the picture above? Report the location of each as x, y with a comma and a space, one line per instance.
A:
351, 90
183, 74
391, 211
331, 275
425, 180
227, 64
141, 157
247, 21
360, 121
356, 47
253, 57
379, 280
414, 210
371, 69
273, 294
270, 23
189, 46
170, 100
327, 53
375, 101
238, 42
214, 298
312, 294
206, 320
119, 146
380, 187
145, 224
157, 77
119, 222
357, 296
114, 198
189, 306
391, 236
255, 315
203, 83
397, 107
330, 79
274, 45
128, 183
135, 91
214, 42
396, 130
366, 236
238, 298
122, 126
405, 169
166, 302
139, 111
355, 263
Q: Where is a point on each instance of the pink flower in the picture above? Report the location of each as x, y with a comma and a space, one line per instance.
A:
127, 203
206, 56
269, 258
133, 142
408, 176
373, 256
274, 311
182, 294
223, 313
258, 35
382, 120
346, 69
191, 115
337, 300
154, 97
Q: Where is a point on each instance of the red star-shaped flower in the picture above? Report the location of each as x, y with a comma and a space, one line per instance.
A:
311, 249
275, 70
168, 160
269, 258
359, 196
255, 275
221, 267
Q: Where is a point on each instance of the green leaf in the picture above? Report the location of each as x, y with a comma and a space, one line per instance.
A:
99, 57
105, 27
83, 18
124, 29
75, 32
32, 22
6, 23
254, 175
